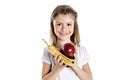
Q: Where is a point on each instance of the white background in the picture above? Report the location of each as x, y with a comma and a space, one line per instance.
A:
23, 23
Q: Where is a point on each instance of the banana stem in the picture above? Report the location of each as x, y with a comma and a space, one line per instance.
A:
45, 42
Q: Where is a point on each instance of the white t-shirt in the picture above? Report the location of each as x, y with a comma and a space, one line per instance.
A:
67, 73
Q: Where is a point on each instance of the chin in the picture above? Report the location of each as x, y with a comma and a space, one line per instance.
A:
64, 39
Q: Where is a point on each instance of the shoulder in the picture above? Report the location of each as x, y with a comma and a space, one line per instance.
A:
46, 55
81, 48
83, 55
45, 50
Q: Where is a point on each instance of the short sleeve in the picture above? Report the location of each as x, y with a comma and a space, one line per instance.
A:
46, 56
83, 56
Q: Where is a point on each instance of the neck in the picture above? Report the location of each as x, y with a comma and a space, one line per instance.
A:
60, 43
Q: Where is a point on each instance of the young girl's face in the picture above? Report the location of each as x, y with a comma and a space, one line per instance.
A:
64, 26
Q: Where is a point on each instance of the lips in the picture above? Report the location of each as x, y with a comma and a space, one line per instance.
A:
63, 34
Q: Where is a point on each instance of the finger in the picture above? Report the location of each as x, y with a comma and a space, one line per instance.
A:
58, 49
76, 50
55, 57
58, 58
75, 55
62, 62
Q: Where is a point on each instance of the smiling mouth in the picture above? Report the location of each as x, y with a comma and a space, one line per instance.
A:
63, 34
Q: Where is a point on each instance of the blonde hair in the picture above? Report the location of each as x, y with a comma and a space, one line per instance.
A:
64, 9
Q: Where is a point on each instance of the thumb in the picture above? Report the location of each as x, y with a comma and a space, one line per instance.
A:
76, 52
75, 55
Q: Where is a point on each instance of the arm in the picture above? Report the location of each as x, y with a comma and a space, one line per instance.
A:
84, 73
47, 74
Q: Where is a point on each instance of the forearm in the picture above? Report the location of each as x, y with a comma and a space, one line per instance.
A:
52, 75
81, 74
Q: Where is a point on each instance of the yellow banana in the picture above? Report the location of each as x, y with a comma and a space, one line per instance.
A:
54, 51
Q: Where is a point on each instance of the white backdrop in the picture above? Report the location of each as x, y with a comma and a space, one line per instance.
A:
24, 23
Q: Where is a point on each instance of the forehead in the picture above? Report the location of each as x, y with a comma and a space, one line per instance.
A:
64, 17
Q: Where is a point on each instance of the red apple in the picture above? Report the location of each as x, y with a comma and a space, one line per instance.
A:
69, 50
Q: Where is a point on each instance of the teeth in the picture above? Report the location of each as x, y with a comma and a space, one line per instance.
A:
63, 34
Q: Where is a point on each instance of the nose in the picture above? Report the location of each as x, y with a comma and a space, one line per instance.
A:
64, 27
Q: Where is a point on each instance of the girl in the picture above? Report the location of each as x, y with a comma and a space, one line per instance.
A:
64, 29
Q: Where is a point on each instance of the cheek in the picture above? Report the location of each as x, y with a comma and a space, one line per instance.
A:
56, 29
72, 30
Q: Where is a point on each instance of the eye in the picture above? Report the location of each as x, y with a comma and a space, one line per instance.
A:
69, 24
58, 24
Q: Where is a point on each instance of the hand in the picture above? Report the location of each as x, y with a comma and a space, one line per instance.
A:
59, 63
76, 59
